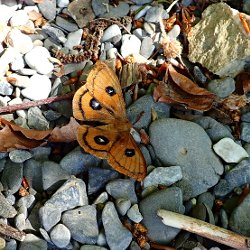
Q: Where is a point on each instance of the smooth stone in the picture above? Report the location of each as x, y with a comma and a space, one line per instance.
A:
53, 175
91, 247
102, 198
11, 245
81, 11
112, 53
222, 87
38, 89
140, 33
19, 41
62, 3
6, 13
26, 72
5, 87
245, 131
18, 62
60, 235
134, 246
198, 74
112, 34
222, 188
121, 10
122, 205
168, 199
154, 14
141, 106
118, 236
239, 219
32, 170
19, 156
224, 218
215, 130
99, 7
66, 24
19, 18
33, 217
20, 81
206, 198
54, 33
43, 65
33, 242
14, 101
245, 117
12, 176
48, 9
51, 115
130, 45
3, 155
76, 161
230, 151
163, 176
27, 201
73, 39
41, 153
36, 120
188, 146
147, 47
87, 232
141, 2
134, 214
142, 12
45, 235
20, 221
7, 56
73, 67
122, 188
174, 33
6, 210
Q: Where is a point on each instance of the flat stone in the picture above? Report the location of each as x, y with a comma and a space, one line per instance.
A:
6, 210
31, 241
66, 24
19, 156
60, 236
73, 39
5, 87
134, 214
147, 47
99, 7
48, 9
112, 34
121, 10
36, 120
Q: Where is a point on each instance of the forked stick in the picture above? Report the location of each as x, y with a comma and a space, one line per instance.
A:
204, 229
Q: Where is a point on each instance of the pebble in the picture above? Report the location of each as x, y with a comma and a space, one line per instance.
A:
118, 236
20, 81
122, 205
241, 214
154, 14
222, 87
62, 3
73, 39
112, 34
18, 62
102, 198
20, 221
199, 76
6, 57
38, 89
6, 13
82, 223
206, 198
6, 210
140, 33
20, 42
121, 10
66, 24
134, 214
246, 6
43, 65
48, 9
19, 156
230, 151
141, 2
99, 7
5, 87
36, 120
245, 131
163, 176
55, 34
147, 47
60, 235
245, 117
19, 18
185, 142
11, 245
169, 199
224, 218
122, 188
130, 45
142, 12
31, 241
91, 247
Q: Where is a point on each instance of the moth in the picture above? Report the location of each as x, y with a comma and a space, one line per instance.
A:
105, 129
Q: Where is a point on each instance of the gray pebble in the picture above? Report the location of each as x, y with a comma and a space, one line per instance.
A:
118, 237
19, 156
98, 177
18, 62
222, 188
36, 120
224, 218
112, 34
6, 210
245, 117
62, 3
245, 131
150, 28
169, 199
134, 246
246, 6
48, 9
86, 232
41, 153
33, 242
3, 155
134, 214
142, 12
19, 18
121, 10
66, 24
53, 175
163, 176
122, 205
51, 115
11, 245
241, 214
141, 2
207, 198
54, 33
188, 146
102, 198
154, 14
5, 87
199, 76
20, 221
122, 188
2, 164
45, 235
76, 161
147, 47
12, 176
73, 39
60, 235
91, 247
222, 87
99, 7
140, 33
26, 201
141, 106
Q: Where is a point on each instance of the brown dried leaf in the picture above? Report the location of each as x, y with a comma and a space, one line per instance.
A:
181, 90
66, 133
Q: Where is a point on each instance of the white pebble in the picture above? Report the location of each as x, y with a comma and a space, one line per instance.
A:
43, 65
230, 151
112, 32
19, 18
130, 45
7, 57
142, 12
6, 13
174, 32
39, 87
62, 3
73, 39
20, 41
111, 53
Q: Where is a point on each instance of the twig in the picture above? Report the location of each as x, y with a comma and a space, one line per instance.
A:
26, 105
204, 229
11, 232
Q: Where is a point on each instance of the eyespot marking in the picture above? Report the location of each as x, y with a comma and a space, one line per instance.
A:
101, 140
129, 152
110, 91
94, 104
